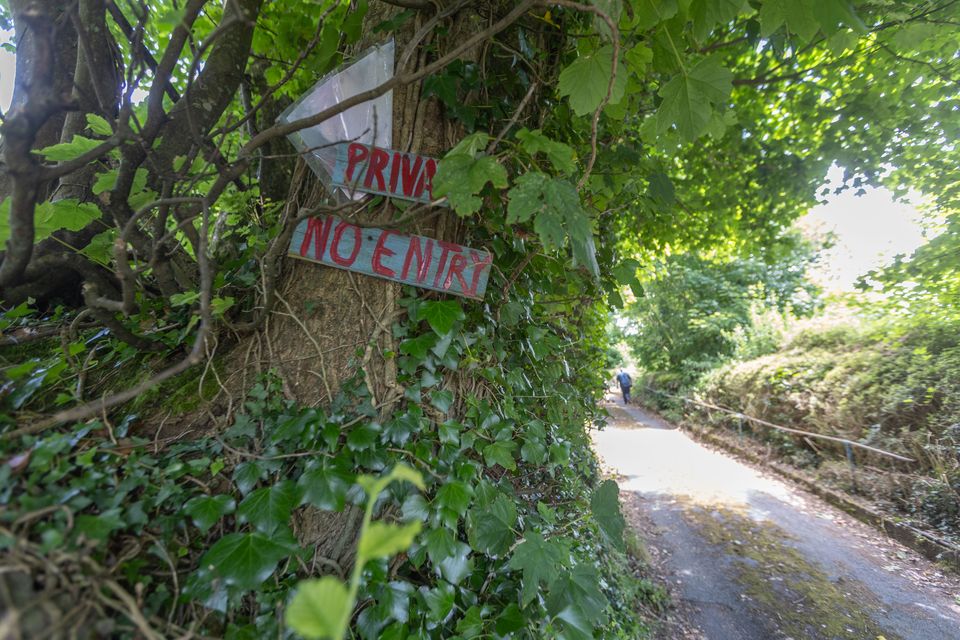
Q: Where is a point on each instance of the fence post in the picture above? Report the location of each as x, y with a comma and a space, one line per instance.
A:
852, 464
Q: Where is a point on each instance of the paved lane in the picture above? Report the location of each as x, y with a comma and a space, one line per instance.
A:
750, 558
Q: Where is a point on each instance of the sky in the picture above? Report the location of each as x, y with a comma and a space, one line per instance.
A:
870, 229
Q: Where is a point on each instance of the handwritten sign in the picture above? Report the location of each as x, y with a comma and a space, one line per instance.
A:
367, 169
417, 260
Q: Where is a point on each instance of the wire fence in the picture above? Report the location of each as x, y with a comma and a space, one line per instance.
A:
848, 444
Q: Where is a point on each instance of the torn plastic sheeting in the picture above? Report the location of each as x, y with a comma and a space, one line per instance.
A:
370, 122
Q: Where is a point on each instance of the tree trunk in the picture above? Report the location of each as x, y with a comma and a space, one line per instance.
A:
329, 324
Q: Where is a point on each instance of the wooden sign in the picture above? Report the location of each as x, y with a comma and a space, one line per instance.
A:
366, 169
417, 260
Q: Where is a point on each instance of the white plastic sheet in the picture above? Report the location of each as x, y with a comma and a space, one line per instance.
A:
370, 122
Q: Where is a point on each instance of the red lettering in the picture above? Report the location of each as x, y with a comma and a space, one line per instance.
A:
480, 263
423, 265
381, 250
447, 248
430, 170
378, 163
318, 230
457, 264
337, 236
410, 174
356, 153
395, 171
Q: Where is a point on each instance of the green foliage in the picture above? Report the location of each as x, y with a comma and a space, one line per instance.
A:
722, 118
586, 81
890, 383
696, 312
691, 99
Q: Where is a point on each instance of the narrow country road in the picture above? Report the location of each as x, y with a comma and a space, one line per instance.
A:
748, 557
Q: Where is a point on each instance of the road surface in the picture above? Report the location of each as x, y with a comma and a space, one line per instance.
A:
749, 558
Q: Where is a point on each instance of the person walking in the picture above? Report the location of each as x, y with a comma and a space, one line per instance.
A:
625, 382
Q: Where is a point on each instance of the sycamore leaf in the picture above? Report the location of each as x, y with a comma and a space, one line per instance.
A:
587, 79
706, 14
460, 177
99, 125
638, 58
244, 560
605, 505
690, 98
540, 561
798, 15
559, 215
471, 145
382, 540
319, 609
49, 217
649, 13
100, 248
65, 151
562, 156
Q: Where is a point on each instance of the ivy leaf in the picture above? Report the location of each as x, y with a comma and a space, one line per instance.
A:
510, 620
99, 527
586, 80
540, 561
441, 400
501, 452
319, 609
441, 315
605, 505
491, 530
325, 488
269, 508
382, 540
575, 598
417, 347
244, 560
247, 475
690, 98
562, 156
64, 151
453, 498
206, 511
440, 601
460, 177
449, 555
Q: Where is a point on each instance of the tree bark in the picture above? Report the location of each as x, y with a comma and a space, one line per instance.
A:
330, 324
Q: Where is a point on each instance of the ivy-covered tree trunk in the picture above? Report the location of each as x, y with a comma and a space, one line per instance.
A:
330, 325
